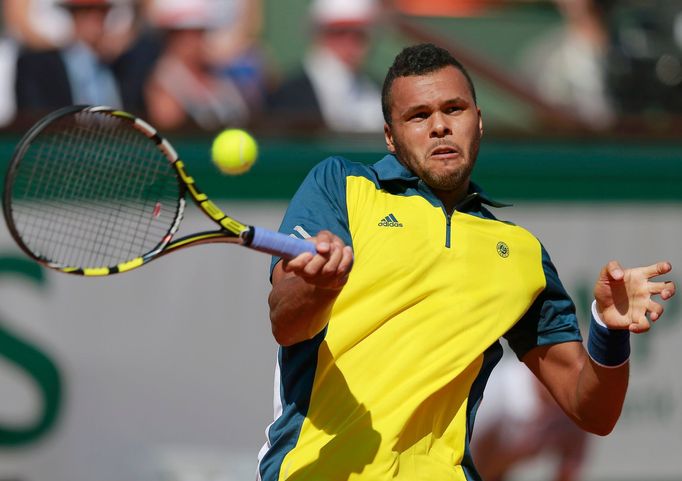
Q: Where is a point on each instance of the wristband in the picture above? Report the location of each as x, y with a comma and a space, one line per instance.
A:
607, 347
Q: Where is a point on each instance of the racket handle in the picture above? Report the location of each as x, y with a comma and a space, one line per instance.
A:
278, 244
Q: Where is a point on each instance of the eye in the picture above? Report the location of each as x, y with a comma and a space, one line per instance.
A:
453, 109
418, 116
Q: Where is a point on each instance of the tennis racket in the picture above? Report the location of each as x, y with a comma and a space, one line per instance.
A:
96, 191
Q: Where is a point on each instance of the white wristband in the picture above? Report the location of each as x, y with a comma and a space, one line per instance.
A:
595, 315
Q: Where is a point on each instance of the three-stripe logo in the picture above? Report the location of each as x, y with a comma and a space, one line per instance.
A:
390, 221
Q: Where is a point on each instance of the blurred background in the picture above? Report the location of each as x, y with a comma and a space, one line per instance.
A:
166, 373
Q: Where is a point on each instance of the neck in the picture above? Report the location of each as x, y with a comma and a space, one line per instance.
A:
451, 197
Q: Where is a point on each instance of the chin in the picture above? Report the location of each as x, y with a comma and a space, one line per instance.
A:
454, 176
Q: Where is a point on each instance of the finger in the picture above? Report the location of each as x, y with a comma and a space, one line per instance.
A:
324, 240
668, 291
345, 264
639, 327
657, 269
314, 267
343, 268
335, 255
307, 267
667, 287
615, 270
346, 261
655, 311
297, 263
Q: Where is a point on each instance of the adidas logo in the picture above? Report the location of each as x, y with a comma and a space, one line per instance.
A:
389, 221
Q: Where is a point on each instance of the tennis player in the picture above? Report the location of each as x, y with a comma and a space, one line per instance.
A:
382, 367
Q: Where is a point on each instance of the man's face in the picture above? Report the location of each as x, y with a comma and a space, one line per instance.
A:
349, 43
435, 128
89, 23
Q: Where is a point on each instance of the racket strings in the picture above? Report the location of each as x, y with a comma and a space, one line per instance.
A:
71, 231
89, 243
96, 232
142, 230
117, 190
128, 186
93, 191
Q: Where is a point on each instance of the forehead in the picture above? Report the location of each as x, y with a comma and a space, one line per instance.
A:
441, 85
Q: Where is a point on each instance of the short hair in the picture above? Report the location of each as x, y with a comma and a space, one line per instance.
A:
421, 59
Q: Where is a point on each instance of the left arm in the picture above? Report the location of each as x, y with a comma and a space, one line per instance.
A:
590, 393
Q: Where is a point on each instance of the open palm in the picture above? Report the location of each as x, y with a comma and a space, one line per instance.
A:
624, 296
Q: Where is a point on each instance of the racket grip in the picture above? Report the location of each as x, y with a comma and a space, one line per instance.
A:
279, 244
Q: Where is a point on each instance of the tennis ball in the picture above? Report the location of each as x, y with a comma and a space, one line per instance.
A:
234, 151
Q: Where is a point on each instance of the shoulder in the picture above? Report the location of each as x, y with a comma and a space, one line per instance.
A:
337, 168
29, 56
44, 64
329, 178
296, 91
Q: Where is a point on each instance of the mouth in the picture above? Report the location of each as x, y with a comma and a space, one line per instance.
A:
444, 152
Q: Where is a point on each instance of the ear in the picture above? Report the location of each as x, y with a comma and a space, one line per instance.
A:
480, 122
388, 137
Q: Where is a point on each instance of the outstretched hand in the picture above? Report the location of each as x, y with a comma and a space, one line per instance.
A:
624, 296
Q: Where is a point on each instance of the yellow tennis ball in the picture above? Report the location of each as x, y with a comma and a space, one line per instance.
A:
234, 151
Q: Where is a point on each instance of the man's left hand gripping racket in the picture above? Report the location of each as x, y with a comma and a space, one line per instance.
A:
96, 191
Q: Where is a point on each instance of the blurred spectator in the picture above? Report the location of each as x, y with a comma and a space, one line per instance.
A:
568, 66
184, 89
84, 71
234, 47
47, 24
519, 421
611, 60
644, 69
37, 24
8, 59
331, 90
134, 50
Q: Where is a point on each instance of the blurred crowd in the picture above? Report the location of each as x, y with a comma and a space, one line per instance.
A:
185, 64
201, 64
613, 62
180, 63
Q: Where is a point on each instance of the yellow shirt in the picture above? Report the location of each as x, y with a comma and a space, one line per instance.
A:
390, 388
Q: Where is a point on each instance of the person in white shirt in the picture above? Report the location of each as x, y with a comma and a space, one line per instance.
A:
332, 90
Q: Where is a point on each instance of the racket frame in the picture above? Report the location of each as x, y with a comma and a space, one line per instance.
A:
231, 230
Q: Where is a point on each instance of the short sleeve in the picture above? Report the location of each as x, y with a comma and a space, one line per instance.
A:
551, 318
319, 204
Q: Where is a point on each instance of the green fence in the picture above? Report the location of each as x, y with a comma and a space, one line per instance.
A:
525, 170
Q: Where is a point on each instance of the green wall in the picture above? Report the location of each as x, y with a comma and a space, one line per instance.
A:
513, 170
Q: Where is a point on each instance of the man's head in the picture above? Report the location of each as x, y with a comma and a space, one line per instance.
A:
185, 24
433, 124
343, 27
419, 59
88, 19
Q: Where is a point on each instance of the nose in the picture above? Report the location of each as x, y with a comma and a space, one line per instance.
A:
439, 126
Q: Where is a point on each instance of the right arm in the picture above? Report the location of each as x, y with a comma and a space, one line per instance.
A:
305, 288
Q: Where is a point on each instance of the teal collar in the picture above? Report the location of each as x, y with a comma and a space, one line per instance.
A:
391, 169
